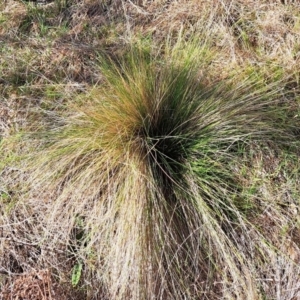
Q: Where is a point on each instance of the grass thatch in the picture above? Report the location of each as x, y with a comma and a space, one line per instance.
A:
169, 173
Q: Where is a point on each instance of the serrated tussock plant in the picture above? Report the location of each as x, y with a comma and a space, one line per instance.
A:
150, 161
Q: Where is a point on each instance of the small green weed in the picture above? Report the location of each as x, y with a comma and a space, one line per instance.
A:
76, 273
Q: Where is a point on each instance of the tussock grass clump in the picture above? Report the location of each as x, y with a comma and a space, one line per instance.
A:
177, 175
141, 180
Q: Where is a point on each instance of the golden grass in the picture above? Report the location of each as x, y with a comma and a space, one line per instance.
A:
80, 181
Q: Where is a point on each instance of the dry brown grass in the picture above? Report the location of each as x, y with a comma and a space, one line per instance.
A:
49, 55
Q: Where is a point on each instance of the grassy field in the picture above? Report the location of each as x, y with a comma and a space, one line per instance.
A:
149, 149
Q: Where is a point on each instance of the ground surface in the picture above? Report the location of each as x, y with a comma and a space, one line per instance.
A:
49, 54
